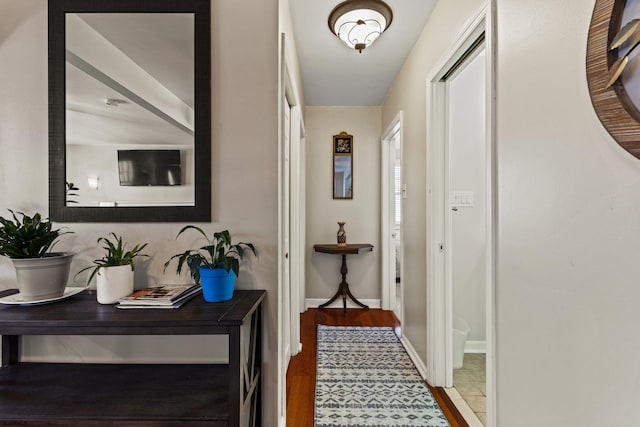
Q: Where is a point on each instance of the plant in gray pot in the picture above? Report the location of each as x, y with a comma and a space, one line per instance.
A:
28, 241
215, 266
115, 270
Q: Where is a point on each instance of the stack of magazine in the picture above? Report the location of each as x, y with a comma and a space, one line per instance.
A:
161, 296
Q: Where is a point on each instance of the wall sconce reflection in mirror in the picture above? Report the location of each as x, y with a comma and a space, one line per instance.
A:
343, 166
93, 181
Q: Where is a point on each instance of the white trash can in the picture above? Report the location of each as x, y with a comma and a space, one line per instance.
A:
459, 338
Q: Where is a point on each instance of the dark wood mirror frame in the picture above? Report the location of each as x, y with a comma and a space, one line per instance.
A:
613, 106
342, 150
58, 209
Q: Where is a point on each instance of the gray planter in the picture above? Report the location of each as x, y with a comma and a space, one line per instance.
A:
43, 278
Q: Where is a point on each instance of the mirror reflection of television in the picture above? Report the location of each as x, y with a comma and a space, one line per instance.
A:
149, 167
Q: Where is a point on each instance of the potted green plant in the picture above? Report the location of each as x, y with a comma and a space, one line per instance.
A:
70, 187
28, 241
115, 270
215, 266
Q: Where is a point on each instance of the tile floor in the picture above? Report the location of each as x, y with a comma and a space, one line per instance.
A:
470, 381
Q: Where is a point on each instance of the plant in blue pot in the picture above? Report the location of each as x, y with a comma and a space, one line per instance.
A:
215, 265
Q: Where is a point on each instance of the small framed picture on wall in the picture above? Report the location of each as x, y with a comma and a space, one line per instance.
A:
342, 144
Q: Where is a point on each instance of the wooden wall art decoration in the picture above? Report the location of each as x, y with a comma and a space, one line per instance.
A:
610, 99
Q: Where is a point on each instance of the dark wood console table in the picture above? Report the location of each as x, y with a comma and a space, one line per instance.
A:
343, 288
77, 394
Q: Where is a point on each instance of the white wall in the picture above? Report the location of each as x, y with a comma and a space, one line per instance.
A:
408, 93
467, 159
362, 214
243, 173
567, 271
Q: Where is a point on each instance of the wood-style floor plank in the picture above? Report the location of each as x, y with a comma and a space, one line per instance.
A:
301, 375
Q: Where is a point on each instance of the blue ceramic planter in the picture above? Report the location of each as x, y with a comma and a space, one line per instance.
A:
217, 285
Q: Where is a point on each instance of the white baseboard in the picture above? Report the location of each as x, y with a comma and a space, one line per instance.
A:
413, 355
475, 347
316, 302
463, 407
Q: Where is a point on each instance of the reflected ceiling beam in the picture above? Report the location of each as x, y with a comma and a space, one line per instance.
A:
133, 97
90, 52
89, 128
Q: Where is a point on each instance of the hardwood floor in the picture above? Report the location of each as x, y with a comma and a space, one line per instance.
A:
301, 375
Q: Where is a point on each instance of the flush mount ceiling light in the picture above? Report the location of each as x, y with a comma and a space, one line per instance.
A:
114, 102
358, 23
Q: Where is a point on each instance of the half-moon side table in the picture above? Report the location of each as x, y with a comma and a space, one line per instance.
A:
343, 289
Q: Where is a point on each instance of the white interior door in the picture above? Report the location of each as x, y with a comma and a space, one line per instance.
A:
297, 225
284, 300
286, 231
291, 214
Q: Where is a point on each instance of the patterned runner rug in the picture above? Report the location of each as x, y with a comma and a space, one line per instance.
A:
365, 378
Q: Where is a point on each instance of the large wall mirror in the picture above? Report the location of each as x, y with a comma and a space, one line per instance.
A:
129, 110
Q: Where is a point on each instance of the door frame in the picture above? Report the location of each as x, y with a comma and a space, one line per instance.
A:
291, 314
285, 230
297, 222
388, 301
439, 285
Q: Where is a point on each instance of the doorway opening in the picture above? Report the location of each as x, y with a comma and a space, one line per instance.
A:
397, 218
466, 118
392, 194
460, 230
291, 226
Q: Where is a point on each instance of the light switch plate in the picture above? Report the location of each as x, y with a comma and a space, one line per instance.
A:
461, 199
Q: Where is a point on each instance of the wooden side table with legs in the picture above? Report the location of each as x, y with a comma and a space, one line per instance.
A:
343, 288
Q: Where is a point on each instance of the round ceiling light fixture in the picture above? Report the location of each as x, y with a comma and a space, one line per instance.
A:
114, 102
358, 23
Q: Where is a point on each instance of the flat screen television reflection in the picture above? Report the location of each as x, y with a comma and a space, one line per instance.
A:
149, 167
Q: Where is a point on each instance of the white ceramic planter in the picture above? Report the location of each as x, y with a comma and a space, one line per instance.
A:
43, 278
114, 283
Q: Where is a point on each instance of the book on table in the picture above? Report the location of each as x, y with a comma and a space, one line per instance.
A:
161, 296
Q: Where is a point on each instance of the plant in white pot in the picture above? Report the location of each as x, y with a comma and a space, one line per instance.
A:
115, 270
28, 241
215, 266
